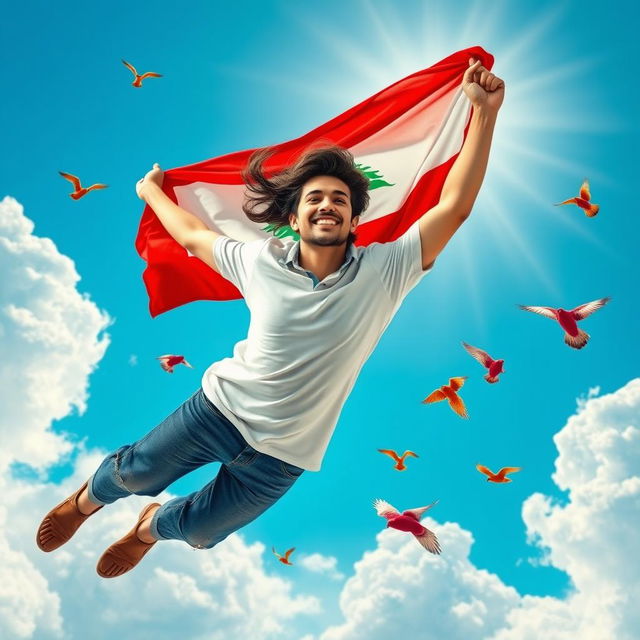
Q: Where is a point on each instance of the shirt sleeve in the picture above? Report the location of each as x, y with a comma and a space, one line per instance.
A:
399, 262
236, 260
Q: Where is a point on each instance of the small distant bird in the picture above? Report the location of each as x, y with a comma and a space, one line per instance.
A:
409, 521
79, 190
137, 83
448, 392
494, 366
400, 465
568, 320
497, 477
167, 362
285, 558
583, 201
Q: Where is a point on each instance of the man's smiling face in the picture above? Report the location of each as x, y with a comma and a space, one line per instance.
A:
324, 212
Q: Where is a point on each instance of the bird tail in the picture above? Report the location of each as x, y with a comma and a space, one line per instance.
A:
592, 210
491, 379
578, 341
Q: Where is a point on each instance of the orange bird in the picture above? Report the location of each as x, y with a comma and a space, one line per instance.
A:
568, 320
79, 190
400, 465
137, 83
167, 362
448, 392
583, 201
494, 366
285, 558
497, 477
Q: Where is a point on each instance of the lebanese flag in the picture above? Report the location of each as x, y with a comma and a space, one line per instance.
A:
404, 138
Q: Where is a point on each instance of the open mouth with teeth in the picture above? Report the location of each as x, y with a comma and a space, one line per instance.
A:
326, 222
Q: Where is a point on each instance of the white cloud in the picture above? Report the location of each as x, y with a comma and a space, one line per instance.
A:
52, 337
318, 563
592, 537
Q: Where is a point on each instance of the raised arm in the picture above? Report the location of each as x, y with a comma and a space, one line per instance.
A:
185, 228
459, 192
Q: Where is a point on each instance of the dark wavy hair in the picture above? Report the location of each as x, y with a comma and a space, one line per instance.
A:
271, 200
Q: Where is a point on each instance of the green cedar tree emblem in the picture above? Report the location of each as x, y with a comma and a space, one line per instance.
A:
375, 182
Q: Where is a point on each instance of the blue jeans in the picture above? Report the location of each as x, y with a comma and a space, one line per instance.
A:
196, 433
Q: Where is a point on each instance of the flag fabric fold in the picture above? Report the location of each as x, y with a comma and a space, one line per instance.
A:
404, 138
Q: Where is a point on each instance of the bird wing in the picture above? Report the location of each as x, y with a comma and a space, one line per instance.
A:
547, 312
481, 356
456, 383
585, 193
150, 74
72, 179
384, 509
418, 511
184, 362
98, 185
390, 452
584, 310
130, 67
569, 201
429, 541
482, 469
434, 396
275, 553
457, 405
410, 453
505, 470
288, 553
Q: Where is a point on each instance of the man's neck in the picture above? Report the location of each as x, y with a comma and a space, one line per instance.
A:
321, 261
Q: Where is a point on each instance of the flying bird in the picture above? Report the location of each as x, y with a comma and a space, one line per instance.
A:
285, 558
409, 521
568, 320
583, 201
167, 362
494, 366
448, 392
400, 465
79, 190
497, 477
137, 83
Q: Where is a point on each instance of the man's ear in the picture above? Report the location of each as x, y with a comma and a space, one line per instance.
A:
293, 221
354, 222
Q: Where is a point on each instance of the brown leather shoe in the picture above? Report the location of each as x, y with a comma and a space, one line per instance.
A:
61, 522
125, 554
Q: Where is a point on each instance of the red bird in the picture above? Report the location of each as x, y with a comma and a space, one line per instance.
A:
494, 366
79, 190
137, 83
400, 465
409, 521
169, 361
448, 392
285, 558
583, 201
497, 477
568, 320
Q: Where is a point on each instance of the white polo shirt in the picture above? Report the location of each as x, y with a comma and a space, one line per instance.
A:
285, 384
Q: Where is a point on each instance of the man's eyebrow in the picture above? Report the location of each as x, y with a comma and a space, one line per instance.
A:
336, 191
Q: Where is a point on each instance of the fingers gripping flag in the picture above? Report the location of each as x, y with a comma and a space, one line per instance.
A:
404, 139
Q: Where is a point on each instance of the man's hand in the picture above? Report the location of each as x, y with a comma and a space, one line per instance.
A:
153, 177
484, 89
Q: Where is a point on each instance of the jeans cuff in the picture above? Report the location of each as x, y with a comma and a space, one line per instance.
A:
92, 495
153, 525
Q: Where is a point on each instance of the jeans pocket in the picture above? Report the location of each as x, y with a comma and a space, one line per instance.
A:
245, 457
290, 470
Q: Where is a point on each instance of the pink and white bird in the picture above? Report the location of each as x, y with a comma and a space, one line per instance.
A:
568, 320
409, 521
167, 362
494, 366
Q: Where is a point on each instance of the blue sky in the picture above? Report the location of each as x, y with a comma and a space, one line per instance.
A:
260, 73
